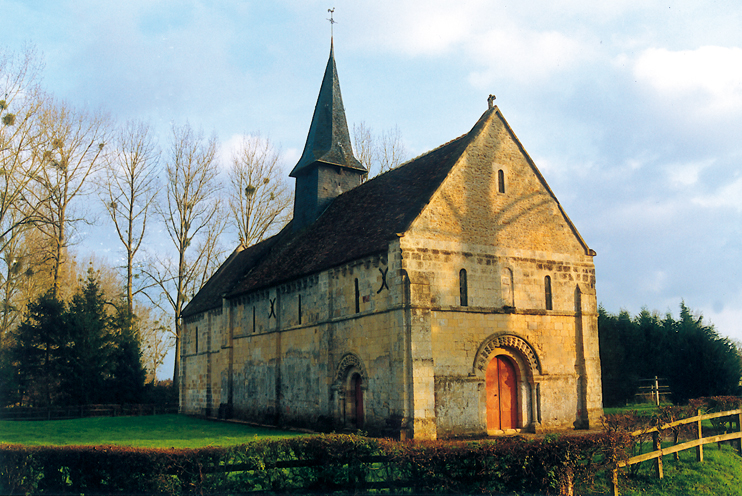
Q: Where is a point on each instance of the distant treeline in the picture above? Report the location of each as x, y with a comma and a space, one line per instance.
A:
689, 353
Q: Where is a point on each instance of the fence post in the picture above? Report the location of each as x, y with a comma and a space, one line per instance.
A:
658, 447
656, 391
699, 449
739, 429
615, 482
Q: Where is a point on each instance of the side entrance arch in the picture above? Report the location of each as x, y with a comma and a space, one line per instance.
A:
349, 391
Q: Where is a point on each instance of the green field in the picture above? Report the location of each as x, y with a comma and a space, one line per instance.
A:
638, 407
158, 431
719, 474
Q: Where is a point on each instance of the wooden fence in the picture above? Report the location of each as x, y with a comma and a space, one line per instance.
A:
83, 411
658, 451
653, 390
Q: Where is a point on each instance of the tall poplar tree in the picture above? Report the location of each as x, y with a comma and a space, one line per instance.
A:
191, 214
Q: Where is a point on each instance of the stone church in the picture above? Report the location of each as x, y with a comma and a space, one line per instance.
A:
449, 297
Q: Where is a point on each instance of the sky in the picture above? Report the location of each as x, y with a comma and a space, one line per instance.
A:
631, 109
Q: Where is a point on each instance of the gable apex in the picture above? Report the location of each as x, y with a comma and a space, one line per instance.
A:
492, 141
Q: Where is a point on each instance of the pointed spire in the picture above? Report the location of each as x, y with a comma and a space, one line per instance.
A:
328, 140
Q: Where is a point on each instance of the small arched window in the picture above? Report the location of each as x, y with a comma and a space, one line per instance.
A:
501, 181
508, 289
547, 292
254, 328
463, 289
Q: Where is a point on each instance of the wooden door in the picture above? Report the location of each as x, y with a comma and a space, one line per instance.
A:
502, 398
356, 400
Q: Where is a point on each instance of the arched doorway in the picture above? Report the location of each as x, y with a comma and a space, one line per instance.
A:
349, 392
354, 395
501, 382
507, 361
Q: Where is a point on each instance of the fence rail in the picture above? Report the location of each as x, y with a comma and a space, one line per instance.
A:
84, 411
658, 451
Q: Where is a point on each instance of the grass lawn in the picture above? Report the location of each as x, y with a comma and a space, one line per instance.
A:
719, 474
158, 431
638, 407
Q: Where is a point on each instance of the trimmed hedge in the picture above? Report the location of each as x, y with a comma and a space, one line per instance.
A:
324, 463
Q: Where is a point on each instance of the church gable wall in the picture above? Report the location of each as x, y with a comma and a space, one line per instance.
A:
495, 196
499, 257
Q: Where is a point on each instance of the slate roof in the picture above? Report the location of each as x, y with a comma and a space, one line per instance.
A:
358, 223
328, 140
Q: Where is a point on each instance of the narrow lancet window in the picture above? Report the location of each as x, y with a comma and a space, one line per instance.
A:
254, 329
547, 292
463, 289
299, 309
358, 298
196, 336
500, 181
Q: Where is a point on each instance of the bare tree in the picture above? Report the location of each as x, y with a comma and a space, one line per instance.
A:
364, 147
129, 189
21, 101
75, 141
154, 329
259, 198
392, 152
378, 154
191, 216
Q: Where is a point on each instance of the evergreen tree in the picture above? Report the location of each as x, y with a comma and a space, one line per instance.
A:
694, 359
86, 353
90, 348
37, 352
129, 375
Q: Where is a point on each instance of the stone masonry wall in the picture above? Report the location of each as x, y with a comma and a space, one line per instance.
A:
288, 342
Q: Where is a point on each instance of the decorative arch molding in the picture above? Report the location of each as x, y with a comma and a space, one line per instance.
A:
350, 361
505, 340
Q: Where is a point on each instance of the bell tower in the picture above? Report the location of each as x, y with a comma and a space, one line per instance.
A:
327, 167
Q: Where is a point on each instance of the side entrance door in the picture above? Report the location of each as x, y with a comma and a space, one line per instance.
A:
501, 389
356, 401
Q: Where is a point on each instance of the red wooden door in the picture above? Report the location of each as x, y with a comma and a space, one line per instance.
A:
356, 392
501, 389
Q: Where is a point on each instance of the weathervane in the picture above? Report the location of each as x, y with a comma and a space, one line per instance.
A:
332, 22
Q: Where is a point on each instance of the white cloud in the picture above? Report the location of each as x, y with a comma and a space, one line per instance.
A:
728, 196
524, 55
654, 282
686, 174
708, 78
726, 319
646, 214
412, 28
